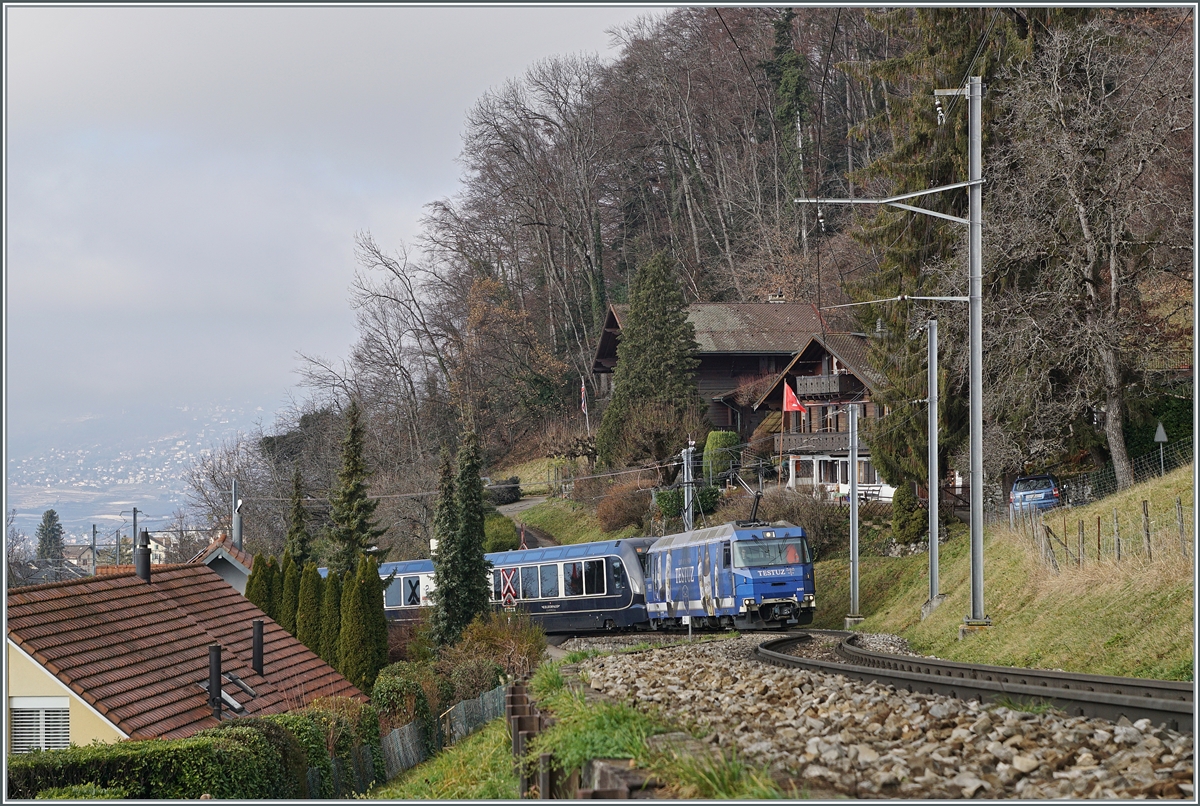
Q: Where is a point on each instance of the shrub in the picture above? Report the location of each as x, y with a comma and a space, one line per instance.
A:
348, 724
512, 640
908, 519
624, 505
287, 769
468, 675
308, 733
499, 534
670, 502
408, 692
504, 491
83, 792
707, 498
718, 452
825, 523
412, 640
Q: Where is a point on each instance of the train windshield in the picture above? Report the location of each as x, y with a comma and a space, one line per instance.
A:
780, 551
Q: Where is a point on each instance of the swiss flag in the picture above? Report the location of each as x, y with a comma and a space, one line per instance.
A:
790, 403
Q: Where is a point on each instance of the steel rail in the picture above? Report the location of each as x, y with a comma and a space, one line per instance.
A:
1163, 702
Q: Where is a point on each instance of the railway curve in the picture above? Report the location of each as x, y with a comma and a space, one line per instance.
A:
1166, 703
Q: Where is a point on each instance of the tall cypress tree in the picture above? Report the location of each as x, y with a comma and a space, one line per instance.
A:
298, 542
256, 582
475, 567
352, 530
272, 589
447, 592
308, 611
656, 359
50, 537
291, 594
355, 648
376, 619
331, 618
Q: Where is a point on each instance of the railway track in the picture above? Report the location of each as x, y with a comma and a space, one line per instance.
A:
1165, 703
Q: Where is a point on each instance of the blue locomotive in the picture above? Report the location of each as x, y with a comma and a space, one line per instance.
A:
745, 576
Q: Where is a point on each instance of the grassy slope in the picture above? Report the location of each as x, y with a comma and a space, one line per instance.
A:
569, 522
479, 767
1135, 619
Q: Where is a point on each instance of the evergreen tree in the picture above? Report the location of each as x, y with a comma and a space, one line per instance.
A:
308, 611
50, 537
460, 562
291, 594
355, 647
446, 593
376, 619
270, 584
255, 590
331, 618
656, 359
299, 542
352, 529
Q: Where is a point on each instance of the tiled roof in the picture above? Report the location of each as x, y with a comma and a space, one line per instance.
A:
849, 348
137, 651
225, 542
109, 570
750, 327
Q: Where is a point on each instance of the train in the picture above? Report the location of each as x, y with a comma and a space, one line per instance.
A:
740, 575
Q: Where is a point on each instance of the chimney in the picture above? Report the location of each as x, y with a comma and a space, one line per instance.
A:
141, 556
214, 679
256, 651
778, 296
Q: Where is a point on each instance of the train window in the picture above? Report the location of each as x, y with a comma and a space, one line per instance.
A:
593, 577
725, 559
573, 579
529, 582
780, 551
496, 584
392, 595
618, 577
550, 581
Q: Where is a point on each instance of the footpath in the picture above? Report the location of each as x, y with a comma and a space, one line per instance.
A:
534, 537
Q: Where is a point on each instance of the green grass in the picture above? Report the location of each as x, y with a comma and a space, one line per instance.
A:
1134, 619
479, 767
584, 731
569, 522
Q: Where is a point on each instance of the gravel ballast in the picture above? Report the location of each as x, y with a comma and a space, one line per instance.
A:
869, 740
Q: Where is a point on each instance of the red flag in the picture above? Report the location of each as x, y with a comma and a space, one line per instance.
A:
583, 396
790, 403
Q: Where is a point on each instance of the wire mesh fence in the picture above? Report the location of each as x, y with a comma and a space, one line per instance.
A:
405, 747
1087, 487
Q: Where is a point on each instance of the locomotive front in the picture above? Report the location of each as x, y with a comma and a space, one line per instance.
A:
773, 576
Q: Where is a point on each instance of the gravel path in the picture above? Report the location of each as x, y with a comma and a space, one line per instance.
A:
869, 740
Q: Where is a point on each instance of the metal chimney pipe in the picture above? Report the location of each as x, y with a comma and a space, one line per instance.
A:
256, 651
214, 679
141, 556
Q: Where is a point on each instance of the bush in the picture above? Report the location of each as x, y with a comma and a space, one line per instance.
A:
408, 692
83, 792
707, 498
624, 505
500, 534
412, 640
307, 732
512, 640
718, 452
670, 502
468, 675
825, 523
908, 519
504, 491
288, 766
348, 724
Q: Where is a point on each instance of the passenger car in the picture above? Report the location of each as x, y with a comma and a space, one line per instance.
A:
1035, 492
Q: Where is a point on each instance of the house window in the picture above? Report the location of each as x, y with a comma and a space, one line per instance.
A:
39, 723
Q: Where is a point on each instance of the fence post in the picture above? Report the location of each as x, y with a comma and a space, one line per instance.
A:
1146, 527
1080, 542
1183, 547
1116, 535
1097, 538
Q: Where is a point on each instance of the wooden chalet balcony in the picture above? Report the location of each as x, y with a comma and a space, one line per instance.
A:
816, 443
815, 385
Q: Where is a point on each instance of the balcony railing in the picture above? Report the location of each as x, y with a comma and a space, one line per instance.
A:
814, 385
819, 442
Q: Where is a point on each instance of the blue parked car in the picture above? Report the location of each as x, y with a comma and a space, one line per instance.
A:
1035, 492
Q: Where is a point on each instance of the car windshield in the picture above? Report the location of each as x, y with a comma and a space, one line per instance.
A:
780, 551
1026, 485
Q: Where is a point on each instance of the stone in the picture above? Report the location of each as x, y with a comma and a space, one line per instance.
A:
1025, 764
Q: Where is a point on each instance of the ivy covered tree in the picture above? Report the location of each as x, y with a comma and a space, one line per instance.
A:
352, 530
308, 610
446, 593
50, 537
331, 618
291, 594
656, 359
299, 541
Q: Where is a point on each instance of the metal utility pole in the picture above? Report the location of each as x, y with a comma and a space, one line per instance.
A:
687, 485
853, 618
132, 540
93, 549
235, 520
934, 473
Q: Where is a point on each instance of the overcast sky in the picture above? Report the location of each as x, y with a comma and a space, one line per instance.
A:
184, 184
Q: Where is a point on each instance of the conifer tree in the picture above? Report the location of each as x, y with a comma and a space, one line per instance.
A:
446, 593
308, 611
299, 542
656, 359
291, 594
355, 647
271, 584
376, 619
352, 530
50, 537
255, 583
331, 618
459, 564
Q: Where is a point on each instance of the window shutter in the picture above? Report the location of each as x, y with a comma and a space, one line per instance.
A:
57, 728
40, 729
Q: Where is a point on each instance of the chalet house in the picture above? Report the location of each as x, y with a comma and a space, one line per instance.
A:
232, 563
119, 656
743, 346
827, 374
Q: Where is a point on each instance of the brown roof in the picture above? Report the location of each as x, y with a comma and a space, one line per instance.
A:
108, 570
849, 348
137, 651
224, 542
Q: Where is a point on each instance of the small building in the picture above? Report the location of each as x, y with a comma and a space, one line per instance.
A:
232, 563
115, 656
81, 556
